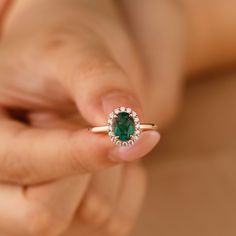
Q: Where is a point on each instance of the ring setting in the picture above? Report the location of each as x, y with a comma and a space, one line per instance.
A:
124, 127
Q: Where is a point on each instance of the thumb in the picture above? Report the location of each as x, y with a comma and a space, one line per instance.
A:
99, 73
98, 85
97, 63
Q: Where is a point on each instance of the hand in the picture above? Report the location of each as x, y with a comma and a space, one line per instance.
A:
65, 65
73, 71
72, 59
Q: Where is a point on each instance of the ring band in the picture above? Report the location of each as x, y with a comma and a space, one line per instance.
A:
105, 129
123, 126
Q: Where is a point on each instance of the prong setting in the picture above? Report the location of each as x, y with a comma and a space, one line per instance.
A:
133, 138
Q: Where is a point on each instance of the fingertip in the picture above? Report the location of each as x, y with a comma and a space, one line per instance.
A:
100, 106
147, 141
115, 99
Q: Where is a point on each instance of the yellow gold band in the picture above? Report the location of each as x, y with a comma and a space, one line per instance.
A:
104, 129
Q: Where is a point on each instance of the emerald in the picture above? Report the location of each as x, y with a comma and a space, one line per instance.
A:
123, 126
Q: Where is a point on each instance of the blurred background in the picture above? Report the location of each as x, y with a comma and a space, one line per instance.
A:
192, 188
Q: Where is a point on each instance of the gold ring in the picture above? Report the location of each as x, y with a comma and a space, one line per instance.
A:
123, 126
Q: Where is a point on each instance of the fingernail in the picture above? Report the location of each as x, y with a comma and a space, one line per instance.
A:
120, 99
147, 141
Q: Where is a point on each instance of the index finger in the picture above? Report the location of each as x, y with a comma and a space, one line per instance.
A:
30, 155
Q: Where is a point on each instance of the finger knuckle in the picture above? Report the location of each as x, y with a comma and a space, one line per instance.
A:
96, 210
39, 220
97, 67
14, 169
64, 37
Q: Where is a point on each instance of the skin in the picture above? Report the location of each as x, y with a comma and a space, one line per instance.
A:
55, 186
86, 58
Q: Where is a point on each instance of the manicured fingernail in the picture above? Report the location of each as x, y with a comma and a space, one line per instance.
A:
147, 141
120, 99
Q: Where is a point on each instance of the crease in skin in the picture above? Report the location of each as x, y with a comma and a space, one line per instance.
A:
26, 97
5, 6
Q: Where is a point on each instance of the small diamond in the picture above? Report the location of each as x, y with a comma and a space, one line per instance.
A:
111, 115
122, 109
117, 111
128, 110
124, 144
131, 142
137, 132
118, 142
113, 139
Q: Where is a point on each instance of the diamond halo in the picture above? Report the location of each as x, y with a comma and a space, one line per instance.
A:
137, 130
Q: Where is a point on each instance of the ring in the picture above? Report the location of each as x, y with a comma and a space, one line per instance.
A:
123, 126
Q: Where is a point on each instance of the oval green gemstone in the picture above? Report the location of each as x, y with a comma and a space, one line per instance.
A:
123, 126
